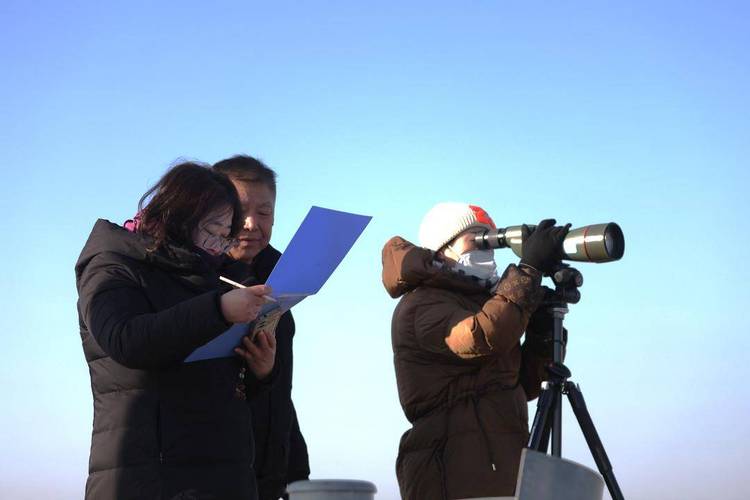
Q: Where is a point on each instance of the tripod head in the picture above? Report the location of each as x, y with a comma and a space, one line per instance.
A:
567, 280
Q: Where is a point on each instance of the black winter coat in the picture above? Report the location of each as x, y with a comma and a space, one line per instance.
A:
163, 429
280, 453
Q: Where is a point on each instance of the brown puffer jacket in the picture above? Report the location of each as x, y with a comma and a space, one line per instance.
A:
463, 376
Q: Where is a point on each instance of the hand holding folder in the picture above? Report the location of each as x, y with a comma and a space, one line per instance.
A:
259, 354
317, 248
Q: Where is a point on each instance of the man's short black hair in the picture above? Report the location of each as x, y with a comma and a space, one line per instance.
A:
245, 168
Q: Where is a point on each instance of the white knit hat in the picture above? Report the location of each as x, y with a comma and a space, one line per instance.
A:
446, 220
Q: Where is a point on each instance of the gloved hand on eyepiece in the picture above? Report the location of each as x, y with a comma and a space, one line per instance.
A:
542, 247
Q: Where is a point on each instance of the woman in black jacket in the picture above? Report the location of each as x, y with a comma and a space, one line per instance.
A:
148, 297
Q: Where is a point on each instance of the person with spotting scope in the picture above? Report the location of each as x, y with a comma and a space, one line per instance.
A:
463, 376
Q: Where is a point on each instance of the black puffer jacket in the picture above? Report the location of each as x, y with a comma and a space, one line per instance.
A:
281, 452
163, 429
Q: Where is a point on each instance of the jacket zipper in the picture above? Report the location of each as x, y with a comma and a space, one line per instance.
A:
490, 455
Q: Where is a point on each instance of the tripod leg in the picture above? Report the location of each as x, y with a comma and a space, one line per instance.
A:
592, 439
557, 426
558, 313
539, 436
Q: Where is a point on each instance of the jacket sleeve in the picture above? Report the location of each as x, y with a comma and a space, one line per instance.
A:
254, 386
498, 326
119, 316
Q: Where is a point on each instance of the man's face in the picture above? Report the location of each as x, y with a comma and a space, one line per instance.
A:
258, 204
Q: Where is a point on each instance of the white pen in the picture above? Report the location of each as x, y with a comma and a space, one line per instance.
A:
240, 285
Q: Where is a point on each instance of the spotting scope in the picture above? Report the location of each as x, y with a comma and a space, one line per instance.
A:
594, 243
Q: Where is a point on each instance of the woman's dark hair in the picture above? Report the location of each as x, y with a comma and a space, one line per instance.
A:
183, 196
245, 168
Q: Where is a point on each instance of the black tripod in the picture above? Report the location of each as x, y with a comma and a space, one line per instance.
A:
567, 280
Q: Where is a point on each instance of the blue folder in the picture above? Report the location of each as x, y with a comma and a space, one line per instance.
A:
317, 248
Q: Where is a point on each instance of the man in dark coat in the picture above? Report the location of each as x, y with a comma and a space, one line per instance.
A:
281, 452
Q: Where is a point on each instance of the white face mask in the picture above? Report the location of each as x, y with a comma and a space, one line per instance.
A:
478, 263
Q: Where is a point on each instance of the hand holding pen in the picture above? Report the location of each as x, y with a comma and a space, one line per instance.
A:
243, 304
258, 353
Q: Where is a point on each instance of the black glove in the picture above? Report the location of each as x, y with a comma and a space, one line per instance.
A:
542, 247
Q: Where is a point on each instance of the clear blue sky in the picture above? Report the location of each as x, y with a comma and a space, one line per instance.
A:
636, 112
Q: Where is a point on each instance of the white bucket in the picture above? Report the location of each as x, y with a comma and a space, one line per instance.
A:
331, 489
